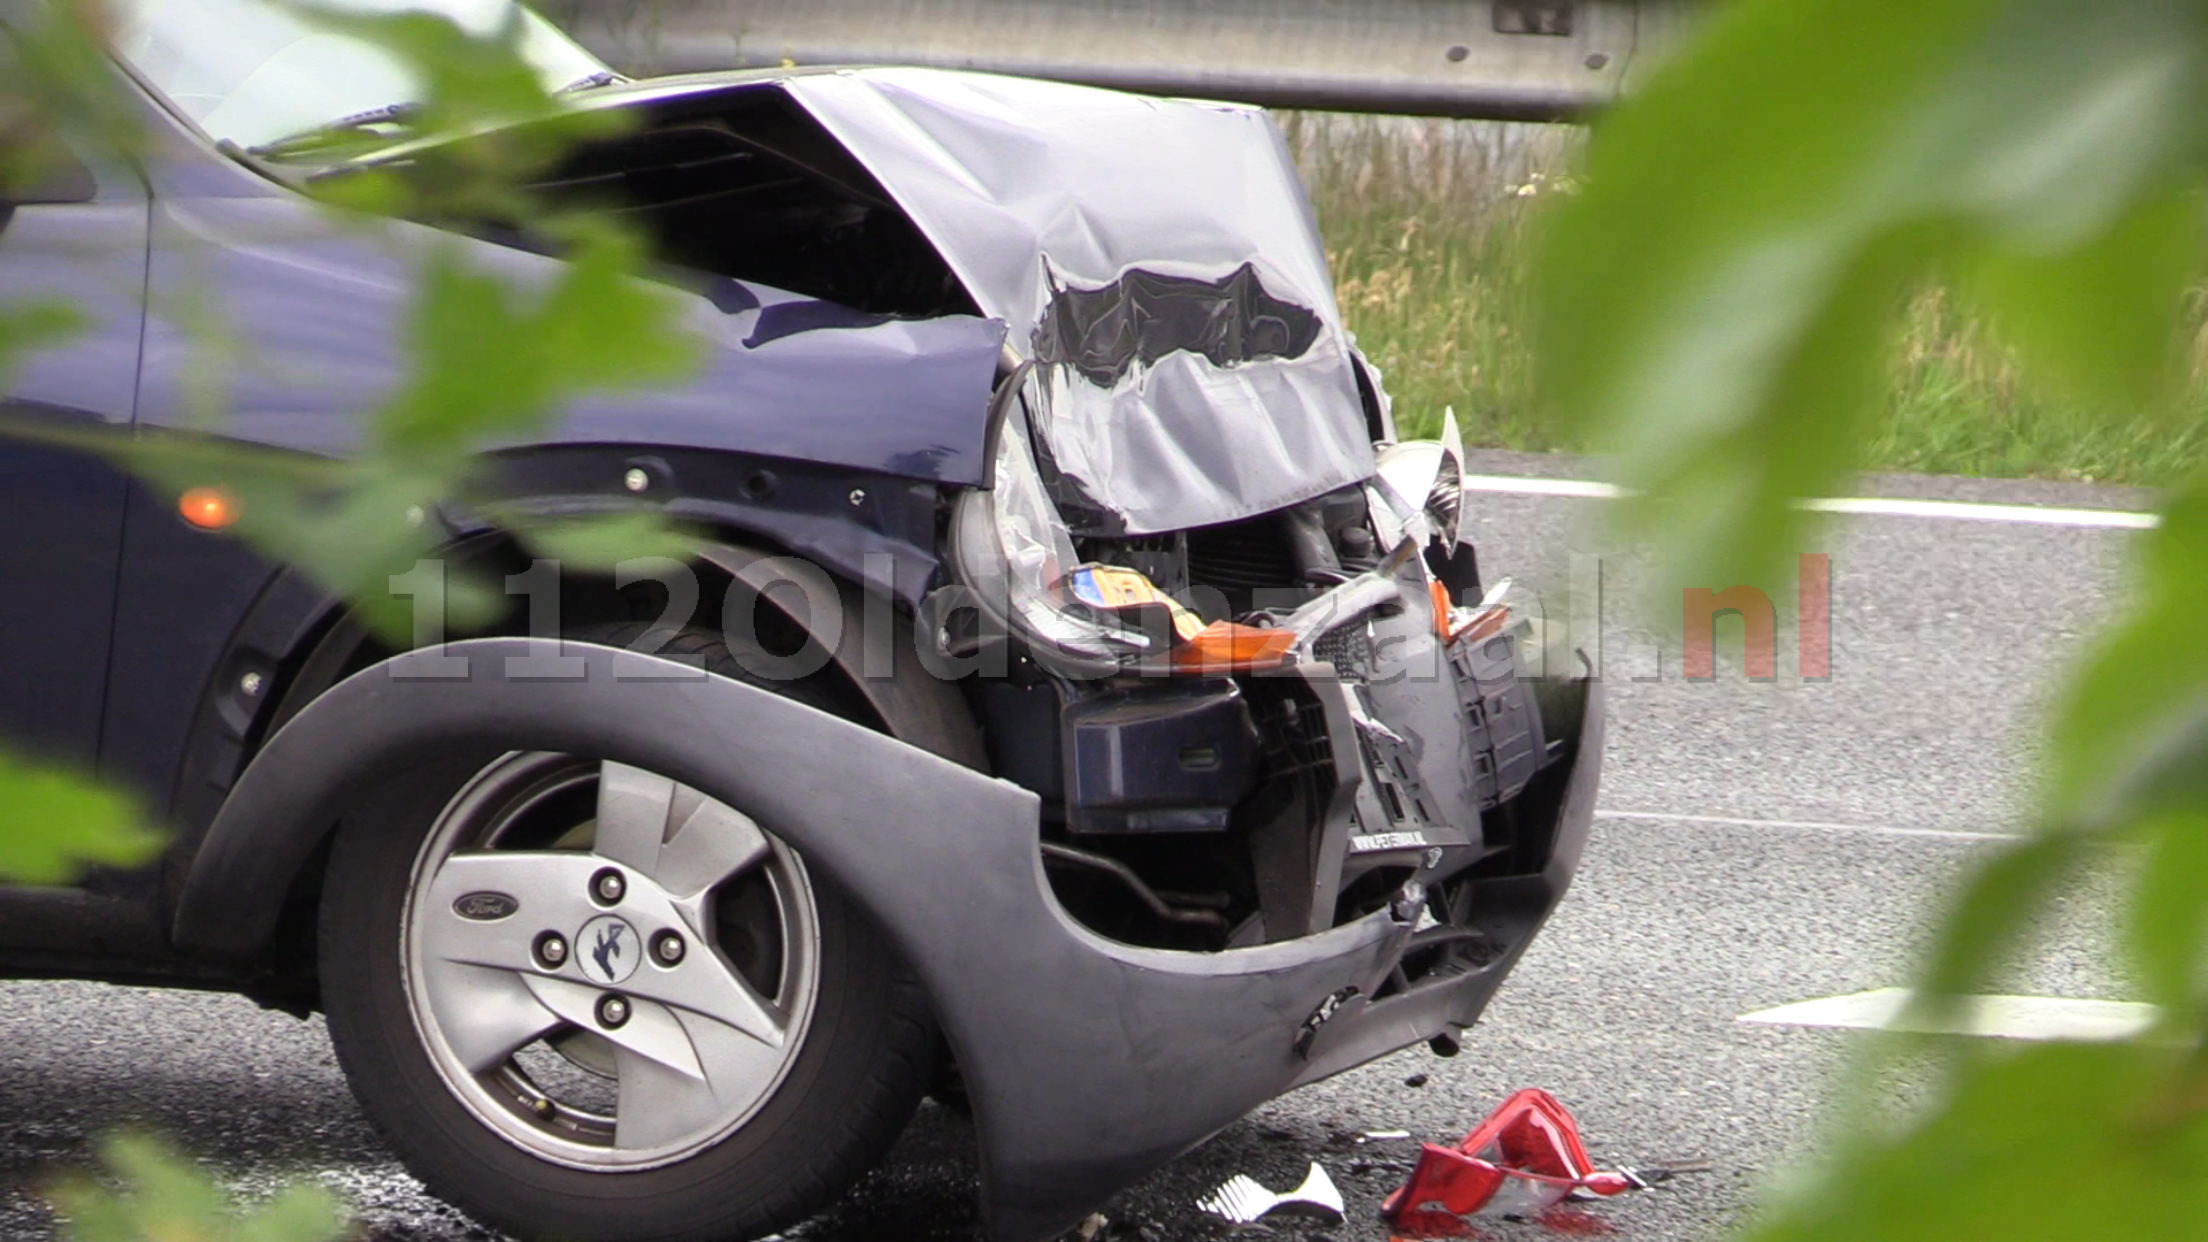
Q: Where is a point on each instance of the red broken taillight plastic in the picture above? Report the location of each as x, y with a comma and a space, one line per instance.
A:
1524, 1159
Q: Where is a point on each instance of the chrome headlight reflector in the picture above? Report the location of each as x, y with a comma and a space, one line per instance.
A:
1429, 474
1011, 550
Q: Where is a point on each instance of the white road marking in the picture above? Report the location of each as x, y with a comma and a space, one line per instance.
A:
1873, 506
1814, 825
1528, 485
1993, 1017
1981, 511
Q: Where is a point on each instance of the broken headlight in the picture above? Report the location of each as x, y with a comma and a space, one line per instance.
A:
1011, 550
1429, 474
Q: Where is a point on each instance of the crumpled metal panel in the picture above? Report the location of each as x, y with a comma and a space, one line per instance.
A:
1211, 379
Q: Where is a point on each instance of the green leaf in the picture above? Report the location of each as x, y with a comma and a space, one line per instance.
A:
490, 360
2101, 319
57, 83
1739, 528
349, 525
54, 823
465, 80
301, 1213
2168, 921
2053, 1141
603, 327
484, 122
28, 326
2132, 732
602, 543
1993, 908
1803, 159
166, 1198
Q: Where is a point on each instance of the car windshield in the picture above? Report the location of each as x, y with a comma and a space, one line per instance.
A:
254, 71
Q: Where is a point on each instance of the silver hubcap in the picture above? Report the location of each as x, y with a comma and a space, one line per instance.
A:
611, 970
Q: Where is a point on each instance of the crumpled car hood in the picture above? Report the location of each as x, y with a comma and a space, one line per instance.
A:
1157, 258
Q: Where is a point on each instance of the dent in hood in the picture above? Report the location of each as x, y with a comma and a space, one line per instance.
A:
1158, 259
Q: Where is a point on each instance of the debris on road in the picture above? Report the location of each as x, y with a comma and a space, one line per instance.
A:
1242, 1199
1415, 1080
1383, 1136
1524, 1160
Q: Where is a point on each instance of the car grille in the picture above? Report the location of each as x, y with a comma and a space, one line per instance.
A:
1348, 648
1238, 558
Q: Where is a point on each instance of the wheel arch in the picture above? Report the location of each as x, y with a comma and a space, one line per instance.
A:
327, 645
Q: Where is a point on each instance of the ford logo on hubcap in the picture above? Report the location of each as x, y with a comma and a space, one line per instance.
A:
484, 907
607, 950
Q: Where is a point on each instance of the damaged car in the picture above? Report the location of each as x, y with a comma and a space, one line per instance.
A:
1081, 693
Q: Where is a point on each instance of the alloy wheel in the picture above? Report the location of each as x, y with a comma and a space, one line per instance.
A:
608, 968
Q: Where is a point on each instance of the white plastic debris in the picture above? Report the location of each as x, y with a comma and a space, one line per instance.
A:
1243, 1200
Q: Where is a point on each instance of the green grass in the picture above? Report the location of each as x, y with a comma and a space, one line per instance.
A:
1428, 225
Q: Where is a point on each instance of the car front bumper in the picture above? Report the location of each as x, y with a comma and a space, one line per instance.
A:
1089, 1062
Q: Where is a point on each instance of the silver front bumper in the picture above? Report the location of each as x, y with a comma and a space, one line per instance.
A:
1089, 1062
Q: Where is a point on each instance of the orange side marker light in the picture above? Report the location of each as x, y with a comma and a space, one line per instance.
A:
208, 508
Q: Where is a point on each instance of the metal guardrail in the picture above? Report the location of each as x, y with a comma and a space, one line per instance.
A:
1537, 60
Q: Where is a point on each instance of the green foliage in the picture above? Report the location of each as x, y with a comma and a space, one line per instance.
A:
1715, 301
26, 326
603, 543
1431, 226
164, 1198
53, 821
490, 360
2131, 735
2056, 1141
56, 86
1720, 304
487, 359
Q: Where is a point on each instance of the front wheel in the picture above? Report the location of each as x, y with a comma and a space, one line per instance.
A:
582, 1000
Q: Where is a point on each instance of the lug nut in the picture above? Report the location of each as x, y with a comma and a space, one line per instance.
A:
552, 950
612, 1010
667, 948
608, 886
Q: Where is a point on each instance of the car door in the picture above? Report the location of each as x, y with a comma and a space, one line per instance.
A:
73, 236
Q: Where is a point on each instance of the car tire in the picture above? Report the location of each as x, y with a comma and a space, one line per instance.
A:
416, 1014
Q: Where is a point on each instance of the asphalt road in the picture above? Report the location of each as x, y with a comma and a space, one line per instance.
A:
1762, 842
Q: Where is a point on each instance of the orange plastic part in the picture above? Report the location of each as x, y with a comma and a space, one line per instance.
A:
1481, 624
1230, 647
208, 508
1476, 626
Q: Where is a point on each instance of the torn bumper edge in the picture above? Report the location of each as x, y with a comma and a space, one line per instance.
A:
1089, 1062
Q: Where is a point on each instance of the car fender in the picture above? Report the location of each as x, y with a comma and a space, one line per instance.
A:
1089, 1062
